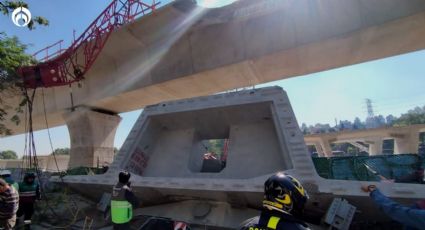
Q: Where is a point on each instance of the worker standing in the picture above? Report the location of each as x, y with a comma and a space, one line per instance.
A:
122, 202
7, 176
29, 192
283, 205
9, 200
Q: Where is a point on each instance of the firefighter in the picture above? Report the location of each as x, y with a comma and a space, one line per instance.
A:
7, 176
29, 192
9, 200
283, 205
122, 202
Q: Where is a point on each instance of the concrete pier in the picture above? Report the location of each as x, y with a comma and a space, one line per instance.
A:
92, 137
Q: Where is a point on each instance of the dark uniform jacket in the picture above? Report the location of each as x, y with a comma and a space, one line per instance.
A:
274, 220
28, 193
123, 192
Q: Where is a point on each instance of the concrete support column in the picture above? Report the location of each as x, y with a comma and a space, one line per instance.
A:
319, 149
407, 144
375, 146
92, 137
326, 148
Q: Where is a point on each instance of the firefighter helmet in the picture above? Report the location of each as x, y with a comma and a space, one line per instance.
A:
283, 192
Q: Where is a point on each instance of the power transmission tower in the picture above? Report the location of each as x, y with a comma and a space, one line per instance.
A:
369, 107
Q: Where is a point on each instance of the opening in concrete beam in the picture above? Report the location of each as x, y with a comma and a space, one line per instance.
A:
388, 146
421, 147
171, 144
213, 154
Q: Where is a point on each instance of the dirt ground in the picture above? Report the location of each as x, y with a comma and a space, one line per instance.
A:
63, 209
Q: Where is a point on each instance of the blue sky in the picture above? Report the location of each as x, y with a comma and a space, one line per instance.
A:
394, 84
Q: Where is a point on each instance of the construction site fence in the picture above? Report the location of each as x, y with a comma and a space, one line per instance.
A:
402, 168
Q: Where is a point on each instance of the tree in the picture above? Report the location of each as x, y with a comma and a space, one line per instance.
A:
61, 151
8, 154
410, 119
304, 128
216, 146
12, 56
390, 119
414, 116
380, 120
357, 124
351, 150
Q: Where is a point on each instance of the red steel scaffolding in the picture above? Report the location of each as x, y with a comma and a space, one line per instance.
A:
64, 67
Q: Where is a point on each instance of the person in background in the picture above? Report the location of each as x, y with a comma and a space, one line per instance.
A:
29, 192
411, 217
283, 205
7, 176
122, 202
9, 201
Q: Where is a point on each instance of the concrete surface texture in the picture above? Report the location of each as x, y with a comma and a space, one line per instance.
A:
183, 51
406, 139
163, 153
92, 137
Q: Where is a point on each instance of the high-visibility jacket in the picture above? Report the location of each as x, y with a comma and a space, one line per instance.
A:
121, 209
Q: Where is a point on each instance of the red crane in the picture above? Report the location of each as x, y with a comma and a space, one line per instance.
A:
67, 66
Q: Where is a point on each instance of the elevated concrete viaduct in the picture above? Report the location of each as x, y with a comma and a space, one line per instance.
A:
406, 139
182, 51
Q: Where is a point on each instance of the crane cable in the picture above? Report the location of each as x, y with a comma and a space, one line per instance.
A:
74, 214
30, 159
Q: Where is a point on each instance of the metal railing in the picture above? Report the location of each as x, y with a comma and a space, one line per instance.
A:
64, 67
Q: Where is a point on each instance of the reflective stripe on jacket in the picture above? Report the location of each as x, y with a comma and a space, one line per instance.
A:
273, 220
28, 192
253, 224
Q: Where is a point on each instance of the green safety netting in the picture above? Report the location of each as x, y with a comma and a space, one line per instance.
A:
85, 171
80, 171
406, 168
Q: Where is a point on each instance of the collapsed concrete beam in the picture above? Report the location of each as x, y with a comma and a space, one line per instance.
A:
164, 156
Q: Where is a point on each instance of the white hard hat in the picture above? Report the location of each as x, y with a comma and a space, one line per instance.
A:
5, 172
